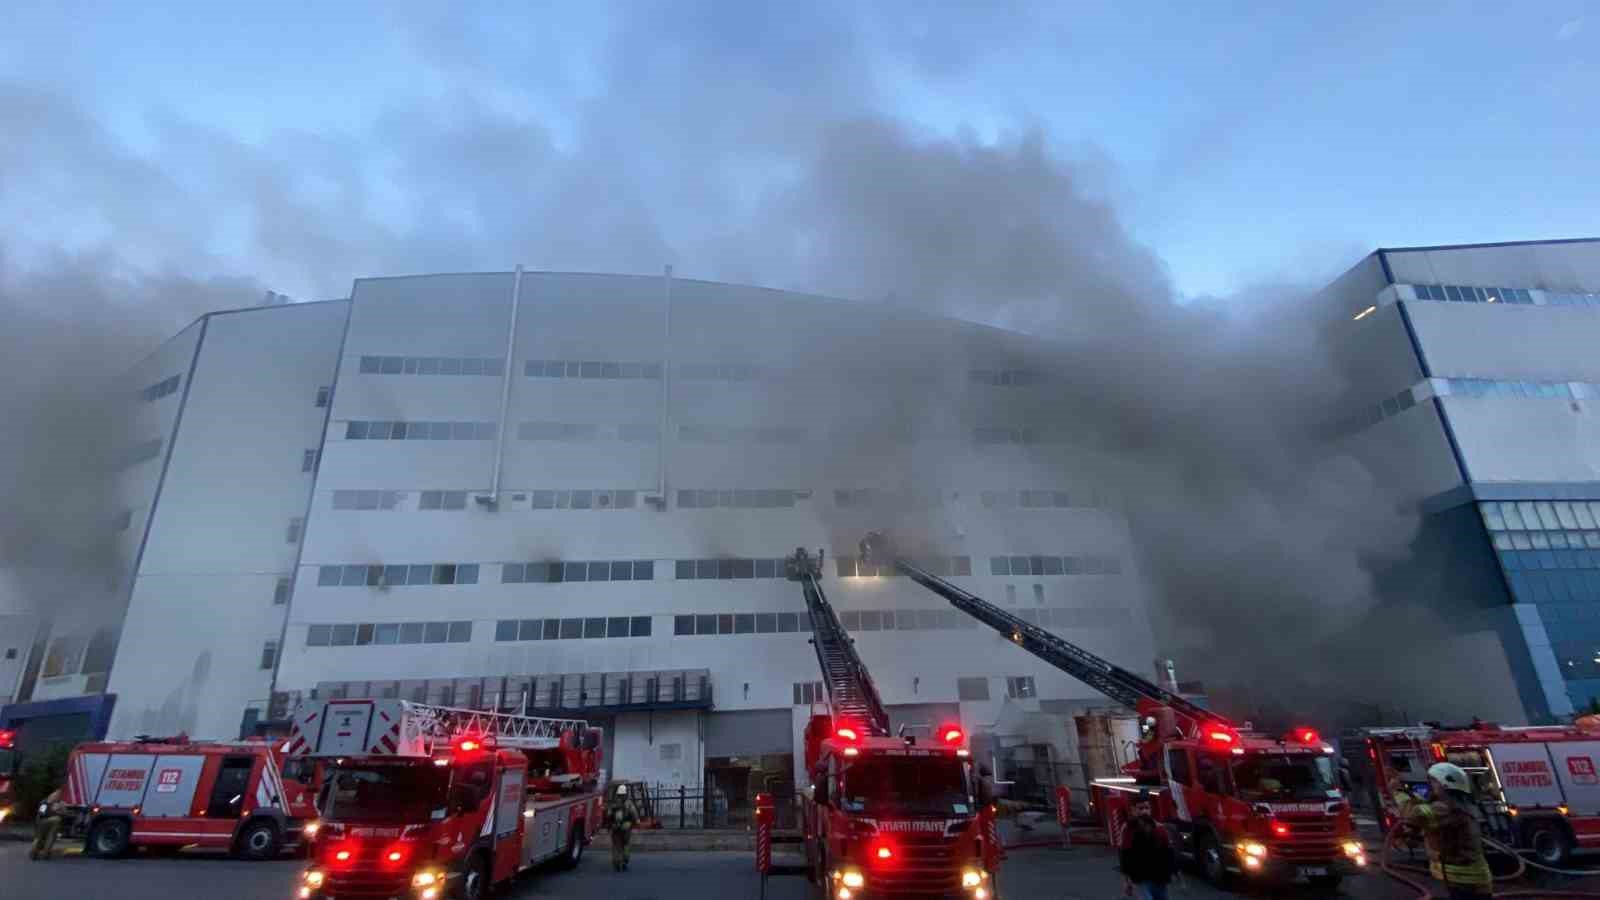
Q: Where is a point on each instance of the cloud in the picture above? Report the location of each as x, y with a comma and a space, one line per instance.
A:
1570, 29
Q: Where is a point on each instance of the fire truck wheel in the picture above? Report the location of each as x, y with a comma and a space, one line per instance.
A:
1550, 843
259, 840
1212, 862
109, 838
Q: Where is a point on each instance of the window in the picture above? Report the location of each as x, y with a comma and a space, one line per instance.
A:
163, 388
356, 430
975, 688
124, 520
460, 632
318, 635
682, 625
309, 459
808, 692
344, 635
280, 592
11, 653
1178, 764
292, 534
788, 622
1038, 594
269, 653
1209, 773
324, 395
1020, 687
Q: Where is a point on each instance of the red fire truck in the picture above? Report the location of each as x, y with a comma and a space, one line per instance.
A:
10, 766
171, 792
885, 815
427, 801
1538, 787
1237, 802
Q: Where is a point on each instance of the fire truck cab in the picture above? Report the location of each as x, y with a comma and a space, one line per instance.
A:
1244, 804
1537, 788
425, 802
889, 816
173, 792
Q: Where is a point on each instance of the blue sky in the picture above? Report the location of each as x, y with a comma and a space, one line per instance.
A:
1243, 143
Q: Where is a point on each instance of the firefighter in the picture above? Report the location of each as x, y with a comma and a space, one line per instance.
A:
1449, 829
621, 816
46, 825
1145, 855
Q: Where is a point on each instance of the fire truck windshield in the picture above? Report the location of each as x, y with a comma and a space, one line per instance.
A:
404, 792
907, 786
1270, 777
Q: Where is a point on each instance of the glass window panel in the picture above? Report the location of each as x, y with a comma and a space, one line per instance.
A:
329, 576
354, 576
506, 630
963, 565
766, 623
688, 499
871, 620
1581, 513
744, 623
1521, 540
1512, 516
766, 568
624, 499
570, 629
1564, 514
444, 573
1036, 565
1530, 516
1558, 539
1547, 514
600, 571
343, 636
435, 632
999, 565
617, 626
318, 635
467, 573
552, 629
542, 499
1491, 516
1020, 565
1052, 565
850, 619
706, 568
725, 623
411, 632
725, 569
683, 569
575, 571
641, 626
844, 566
1502, 541
1592, 539
705, 624
582, 499
511, 573
744, 568
682, 625
622, 571
788, 622
1452, 293
387, 634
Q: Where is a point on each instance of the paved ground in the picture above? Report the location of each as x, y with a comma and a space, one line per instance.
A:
1085, 872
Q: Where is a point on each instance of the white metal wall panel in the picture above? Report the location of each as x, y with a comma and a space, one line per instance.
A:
172, 786
126, 777
1527, 774
1577, 767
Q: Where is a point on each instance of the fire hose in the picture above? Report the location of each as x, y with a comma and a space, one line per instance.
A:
1424, 891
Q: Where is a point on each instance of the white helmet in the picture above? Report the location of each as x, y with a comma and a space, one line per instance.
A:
1451, 776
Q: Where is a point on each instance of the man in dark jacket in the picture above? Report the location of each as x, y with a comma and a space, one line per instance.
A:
1146, 856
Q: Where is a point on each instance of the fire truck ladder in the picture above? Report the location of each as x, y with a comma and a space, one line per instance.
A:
1114, 681
445, 723
851, 693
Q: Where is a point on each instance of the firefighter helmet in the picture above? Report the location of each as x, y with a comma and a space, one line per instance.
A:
1451, 776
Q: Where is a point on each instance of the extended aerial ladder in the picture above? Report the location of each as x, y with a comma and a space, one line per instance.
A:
851, 695
1121, 685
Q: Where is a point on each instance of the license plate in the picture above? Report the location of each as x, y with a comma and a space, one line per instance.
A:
1313, 871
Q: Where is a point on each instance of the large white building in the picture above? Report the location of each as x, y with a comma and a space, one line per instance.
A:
574, 492
1476, 388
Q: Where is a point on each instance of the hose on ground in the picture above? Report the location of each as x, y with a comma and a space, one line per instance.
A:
1425, 892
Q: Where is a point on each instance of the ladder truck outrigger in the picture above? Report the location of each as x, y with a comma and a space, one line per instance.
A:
1237, 802
428, 802
886, 815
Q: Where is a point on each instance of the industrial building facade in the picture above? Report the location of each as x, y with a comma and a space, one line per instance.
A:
1477, 397
574, 493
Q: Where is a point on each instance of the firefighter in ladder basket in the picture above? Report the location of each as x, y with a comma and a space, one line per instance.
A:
621, 816
1449, 829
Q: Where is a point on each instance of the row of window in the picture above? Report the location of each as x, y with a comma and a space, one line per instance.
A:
943, 566
397, 575
971, 688
1546, 540
1462, 294
363, 634
1006, 377
707, 498
379, 499
138, 453
1055, 565
560, 368
355, 430
559, 572
1532, 560
1549, 588
583, 431
432, 365
571, 629
728, 434
722, 569
1489, 387
1086, 499
736, 623
1547, 515
160, 389
873, 498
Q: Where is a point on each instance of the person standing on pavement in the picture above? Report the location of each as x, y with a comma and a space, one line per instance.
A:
621, 816
1450, 831
1145, 855
46, 825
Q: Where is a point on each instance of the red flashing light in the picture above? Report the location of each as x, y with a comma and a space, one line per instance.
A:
882, 853
846, 733
342, 856
8, 738
1308, 735
395, 856
1280, 829
885, 853
952, 734
473, 743
1438, 752
468, 746
1221, 737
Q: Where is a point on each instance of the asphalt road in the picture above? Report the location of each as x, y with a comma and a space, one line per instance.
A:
1085, 872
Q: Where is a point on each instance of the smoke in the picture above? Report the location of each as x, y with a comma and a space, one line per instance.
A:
740, 145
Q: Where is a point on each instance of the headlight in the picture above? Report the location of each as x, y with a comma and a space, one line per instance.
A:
1253, 848
314, 878
311, 828
4, 811
970, 878
426, 879
1353, 849
853, 879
